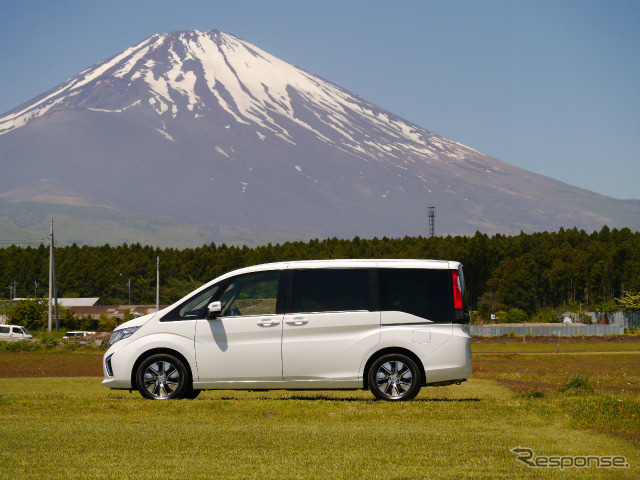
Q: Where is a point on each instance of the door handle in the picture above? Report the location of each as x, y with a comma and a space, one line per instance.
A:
298, 321
268, 322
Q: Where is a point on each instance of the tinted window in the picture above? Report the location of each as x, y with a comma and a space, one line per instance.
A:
4, 329
252, 294
424, 293
326, 290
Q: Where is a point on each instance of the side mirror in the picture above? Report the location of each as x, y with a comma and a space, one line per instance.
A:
214, 309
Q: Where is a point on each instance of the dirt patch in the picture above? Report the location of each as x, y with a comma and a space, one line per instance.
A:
39, 364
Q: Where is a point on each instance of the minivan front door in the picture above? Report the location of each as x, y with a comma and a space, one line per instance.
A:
243, 344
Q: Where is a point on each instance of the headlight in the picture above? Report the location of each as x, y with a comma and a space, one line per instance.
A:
118, 335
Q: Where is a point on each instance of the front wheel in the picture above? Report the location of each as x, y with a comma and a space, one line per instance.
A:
395, 378
163, 376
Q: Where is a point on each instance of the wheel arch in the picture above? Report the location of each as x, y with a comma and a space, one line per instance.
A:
155, 351
385, 351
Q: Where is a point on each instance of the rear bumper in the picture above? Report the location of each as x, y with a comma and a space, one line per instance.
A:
452, 363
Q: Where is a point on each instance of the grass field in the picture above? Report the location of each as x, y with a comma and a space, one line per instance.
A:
72, 427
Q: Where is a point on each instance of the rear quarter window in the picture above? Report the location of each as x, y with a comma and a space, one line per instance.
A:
423, 293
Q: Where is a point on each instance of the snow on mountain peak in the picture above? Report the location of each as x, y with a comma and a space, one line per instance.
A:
196, 73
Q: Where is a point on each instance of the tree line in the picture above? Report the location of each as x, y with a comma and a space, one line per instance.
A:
533, 273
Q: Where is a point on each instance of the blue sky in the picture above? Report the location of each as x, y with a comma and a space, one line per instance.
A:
549, 86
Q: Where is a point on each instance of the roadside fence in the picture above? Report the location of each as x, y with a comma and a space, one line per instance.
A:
549, 329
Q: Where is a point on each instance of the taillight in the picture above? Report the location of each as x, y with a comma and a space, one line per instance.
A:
457, 294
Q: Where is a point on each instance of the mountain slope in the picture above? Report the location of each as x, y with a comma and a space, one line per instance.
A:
81, 220
210, 130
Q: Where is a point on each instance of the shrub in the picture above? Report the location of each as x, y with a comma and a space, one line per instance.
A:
546, 315
515, 315
577, 384
87, 322
70, 346
106, 323
629, 301
20, 346
49, 339
501, 316
534, 394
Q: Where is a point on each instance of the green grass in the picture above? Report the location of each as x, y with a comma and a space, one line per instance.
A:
52, 345
73, 428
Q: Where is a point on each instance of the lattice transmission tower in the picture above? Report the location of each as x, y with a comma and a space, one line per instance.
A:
431, 213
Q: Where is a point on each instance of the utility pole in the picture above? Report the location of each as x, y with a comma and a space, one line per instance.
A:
158, 285
53, 293
129, 284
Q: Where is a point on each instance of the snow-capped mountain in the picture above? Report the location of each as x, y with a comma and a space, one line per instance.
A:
194, 74
209, 129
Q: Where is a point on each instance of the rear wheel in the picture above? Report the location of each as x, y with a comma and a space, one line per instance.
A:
192, 394
395, 378
162, 377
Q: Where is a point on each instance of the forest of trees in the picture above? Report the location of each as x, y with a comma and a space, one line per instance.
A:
530, 272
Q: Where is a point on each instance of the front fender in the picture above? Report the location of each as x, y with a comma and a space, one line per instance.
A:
125, 358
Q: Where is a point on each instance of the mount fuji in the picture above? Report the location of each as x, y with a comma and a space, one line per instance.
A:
209, 131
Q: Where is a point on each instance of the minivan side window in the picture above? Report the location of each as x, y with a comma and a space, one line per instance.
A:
4, 329
252, 294
424, 293
330, 290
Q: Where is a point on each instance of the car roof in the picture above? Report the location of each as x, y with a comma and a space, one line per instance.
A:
346, 263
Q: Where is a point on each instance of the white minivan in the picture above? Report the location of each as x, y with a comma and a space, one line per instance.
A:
392, 326
14, 332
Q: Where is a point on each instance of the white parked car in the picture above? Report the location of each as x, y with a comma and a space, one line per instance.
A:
14, 332
77, 334
392, 326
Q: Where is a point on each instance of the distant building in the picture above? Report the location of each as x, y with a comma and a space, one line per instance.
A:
80, 302
71, 302
113, 311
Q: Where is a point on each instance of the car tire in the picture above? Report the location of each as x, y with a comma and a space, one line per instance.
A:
163, 377
394, 378
193, 394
